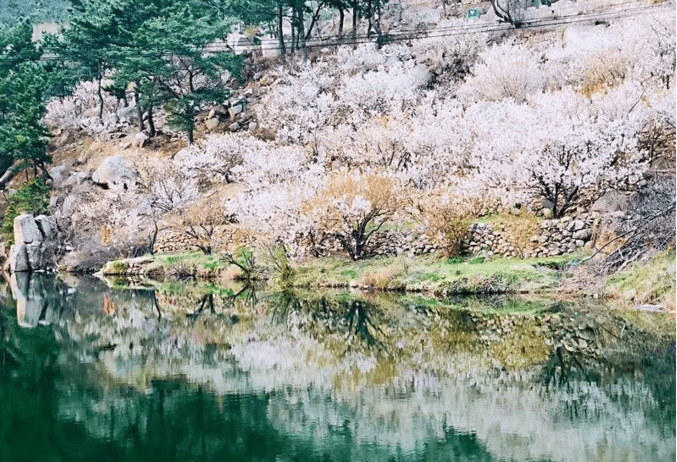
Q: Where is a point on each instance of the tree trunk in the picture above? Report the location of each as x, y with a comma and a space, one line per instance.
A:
151, 123
280, 17
342, 17
302, 35
100, 95
354, 31
139, 111
316, 15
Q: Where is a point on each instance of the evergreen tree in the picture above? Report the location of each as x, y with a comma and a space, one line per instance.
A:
23, 83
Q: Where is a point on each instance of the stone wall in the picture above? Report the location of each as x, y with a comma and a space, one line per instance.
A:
554, 237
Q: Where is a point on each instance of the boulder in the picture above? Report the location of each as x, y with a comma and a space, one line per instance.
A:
18, 259
58, 175
77, 178
140, 140
583, 234
115, 171
235, 110
212, 123
26, 230
34, 254
47, 226
612, 201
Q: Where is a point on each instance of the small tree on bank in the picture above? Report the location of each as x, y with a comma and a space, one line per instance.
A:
353, 207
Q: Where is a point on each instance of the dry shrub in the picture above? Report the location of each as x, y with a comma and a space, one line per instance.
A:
353, 206
506, 72
106, 235
447, 219
519, 228
201, 221
605, 70
384, 279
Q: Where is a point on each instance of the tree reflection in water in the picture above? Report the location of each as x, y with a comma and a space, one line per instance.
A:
360, 323
287, 390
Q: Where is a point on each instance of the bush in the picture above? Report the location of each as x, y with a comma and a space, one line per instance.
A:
353, 207
33, 196
447, 220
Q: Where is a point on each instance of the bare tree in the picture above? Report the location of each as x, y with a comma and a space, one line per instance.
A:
510, 11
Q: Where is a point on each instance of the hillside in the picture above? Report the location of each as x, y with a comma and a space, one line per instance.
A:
420, 137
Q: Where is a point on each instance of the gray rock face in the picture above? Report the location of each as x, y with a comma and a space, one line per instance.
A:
612, 201
35, 244
115, 171
583, 234
47, 226
26, 230
35, 260
18, 259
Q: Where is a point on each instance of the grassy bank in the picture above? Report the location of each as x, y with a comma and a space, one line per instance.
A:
650, 284
429, 274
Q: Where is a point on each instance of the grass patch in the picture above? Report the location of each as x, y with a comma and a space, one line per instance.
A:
649, 283
432, 277
432, 273
350, 273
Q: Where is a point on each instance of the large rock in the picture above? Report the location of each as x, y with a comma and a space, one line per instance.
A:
58, 175
34, 253
47, 226
583, 234
612, 201
235, 110
115, 171
140, 140
26, 230
18, 259
212, 124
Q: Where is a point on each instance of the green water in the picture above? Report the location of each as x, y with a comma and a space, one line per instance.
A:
181, 375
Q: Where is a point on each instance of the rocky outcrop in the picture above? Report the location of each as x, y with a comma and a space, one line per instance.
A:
34, 244
115, 171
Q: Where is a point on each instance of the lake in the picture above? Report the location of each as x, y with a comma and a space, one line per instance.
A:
98, 371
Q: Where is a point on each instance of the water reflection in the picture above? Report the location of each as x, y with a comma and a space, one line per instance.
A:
207, 374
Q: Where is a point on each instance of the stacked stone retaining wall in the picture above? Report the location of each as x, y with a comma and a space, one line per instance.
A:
554, 237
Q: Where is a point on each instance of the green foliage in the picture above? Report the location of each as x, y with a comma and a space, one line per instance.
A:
244, 259
23, 83
33, 196
476, 260
351, 273
455, 260
43, 10
120, 267
282, 266
163, 47
432, 277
